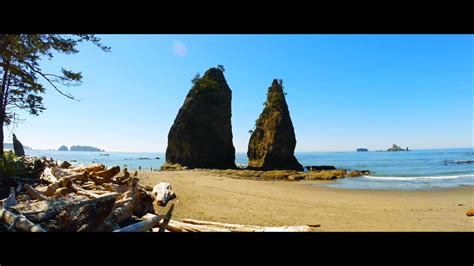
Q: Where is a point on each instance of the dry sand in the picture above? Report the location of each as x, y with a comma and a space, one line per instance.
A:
206, 196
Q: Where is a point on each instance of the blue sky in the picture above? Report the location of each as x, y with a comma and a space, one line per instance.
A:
344, 91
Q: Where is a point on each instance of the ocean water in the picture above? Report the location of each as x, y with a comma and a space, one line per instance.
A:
413, 170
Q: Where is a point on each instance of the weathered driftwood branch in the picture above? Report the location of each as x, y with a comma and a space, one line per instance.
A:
109, 173
166, 219
18, 222
48, 176
90, 168
163, 193
151, 220
84, 192
35, 194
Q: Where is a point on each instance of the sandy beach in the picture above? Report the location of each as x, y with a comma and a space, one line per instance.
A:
214, 197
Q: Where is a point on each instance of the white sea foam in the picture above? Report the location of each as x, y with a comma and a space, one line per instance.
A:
413, 178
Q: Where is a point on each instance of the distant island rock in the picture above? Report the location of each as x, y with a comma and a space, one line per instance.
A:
201, 135
63, 148
362, 149
84, 148
273, 141
396, 148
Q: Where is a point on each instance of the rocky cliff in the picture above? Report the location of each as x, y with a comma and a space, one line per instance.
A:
273, 141
201, 135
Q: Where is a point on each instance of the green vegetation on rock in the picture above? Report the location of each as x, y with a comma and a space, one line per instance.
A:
273, 140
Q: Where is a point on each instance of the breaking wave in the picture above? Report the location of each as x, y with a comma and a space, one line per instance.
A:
414, 178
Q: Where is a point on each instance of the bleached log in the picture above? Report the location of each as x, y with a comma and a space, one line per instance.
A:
166, 219
151, 220
115, 188
162, 193
252, 228
35, 194
175, 226
109, 173
20, 223
81, 191
90, 168
11, 199
48, 176
48, 190
126, 209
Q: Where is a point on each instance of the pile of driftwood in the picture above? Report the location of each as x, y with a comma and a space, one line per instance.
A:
57, 197
81, 199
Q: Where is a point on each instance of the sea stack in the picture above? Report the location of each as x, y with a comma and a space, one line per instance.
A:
273, 141
18, 147
201, 135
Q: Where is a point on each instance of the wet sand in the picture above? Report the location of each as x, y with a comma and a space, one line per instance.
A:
209, 196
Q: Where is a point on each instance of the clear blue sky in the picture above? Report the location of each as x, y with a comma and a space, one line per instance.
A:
344, 91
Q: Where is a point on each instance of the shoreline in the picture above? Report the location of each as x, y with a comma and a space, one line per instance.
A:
207, 196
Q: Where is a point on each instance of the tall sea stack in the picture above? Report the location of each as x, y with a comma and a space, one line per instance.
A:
273, 141
18, 147
201, 135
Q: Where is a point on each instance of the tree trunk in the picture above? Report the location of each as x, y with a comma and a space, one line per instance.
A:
1, 136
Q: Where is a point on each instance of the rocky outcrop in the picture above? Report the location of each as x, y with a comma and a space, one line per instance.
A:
18, 147
84, 148
201, 135
63, 148
273, 141
396, 148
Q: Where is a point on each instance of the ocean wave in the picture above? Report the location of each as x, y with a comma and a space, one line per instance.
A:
413, 178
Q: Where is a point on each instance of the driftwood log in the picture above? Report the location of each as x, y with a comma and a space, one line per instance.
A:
18, 222
109, 173
151, 220
35, 194
166, 219
75, 214
190, 225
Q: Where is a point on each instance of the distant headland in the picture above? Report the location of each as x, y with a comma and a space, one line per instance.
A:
79, 148
9, 146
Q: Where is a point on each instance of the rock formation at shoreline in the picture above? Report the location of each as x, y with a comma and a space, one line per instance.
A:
18, 147
273, 141
201, 135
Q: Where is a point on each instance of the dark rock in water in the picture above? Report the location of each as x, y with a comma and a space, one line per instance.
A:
396, 148
157, 158
63, 148
362, 149
143, 158
458, 161
201, 135
320, 167
273, 141
65, 165
18, 147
